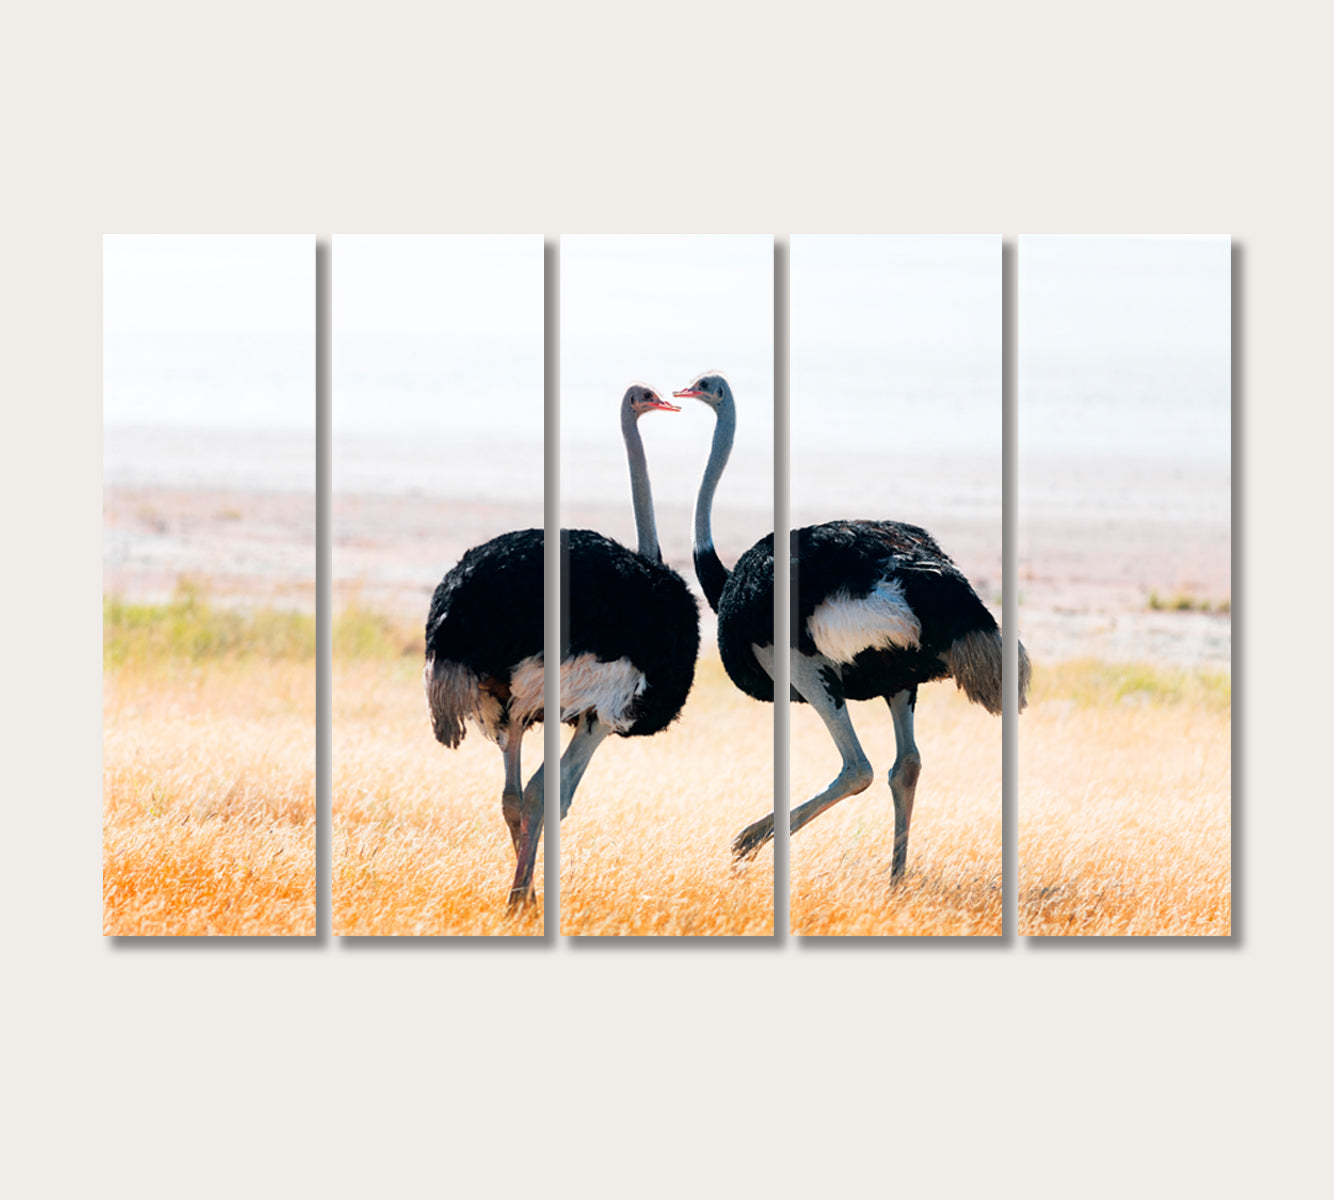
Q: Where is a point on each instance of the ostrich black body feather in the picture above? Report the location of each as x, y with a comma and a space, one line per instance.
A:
849, 558
487, 611
487, 614
618, 604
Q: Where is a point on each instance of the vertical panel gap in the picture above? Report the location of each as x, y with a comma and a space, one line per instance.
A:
323, 588
782, 589
1009, 593
552, 611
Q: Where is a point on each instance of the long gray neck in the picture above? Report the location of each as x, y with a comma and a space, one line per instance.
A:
640, 492
724, 431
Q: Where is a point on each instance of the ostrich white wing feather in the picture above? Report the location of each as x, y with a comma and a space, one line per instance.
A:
526, 684
843, 626
606, 688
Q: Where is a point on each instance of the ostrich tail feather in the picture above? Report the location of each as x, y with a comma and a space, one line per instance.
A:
453, 694
974, 661
1025, 674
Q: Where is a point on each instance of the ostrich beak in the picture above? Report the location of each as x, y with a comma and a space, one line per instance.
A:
694, 394
664, 405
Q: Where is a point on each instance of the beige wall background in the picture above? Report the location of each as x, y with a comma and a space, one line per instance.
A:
1092, 1070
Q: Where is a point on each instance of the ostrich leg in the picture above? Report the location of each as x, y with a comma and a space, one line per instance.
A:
809, 678
528, 806
523, 815
747, 843
903, 775
589, 734
511, 800
529, 827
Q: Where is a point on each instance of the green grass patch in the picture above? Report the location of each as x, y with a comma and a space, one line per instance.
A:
363, 633
191, 629
1188, 602
1091, 684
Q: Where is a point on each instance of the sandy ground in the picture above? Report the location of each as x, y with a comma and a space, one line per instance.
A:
1085, 579
390, 551
1097, 538
240, 546
1085, 592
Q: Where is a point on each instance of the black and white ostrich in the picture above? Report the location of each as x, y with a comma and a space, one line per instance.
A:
880, 609
628, 658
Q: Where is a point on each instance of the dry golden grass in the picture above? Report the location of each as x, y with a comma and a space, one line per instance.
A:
1124, 802
841, 860
419, 846
645, 848
210, 827
209, 797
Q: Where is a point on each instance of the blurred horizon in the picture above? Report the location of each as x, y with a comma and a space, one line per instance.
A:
1124, 448
208, 404
1124, 371
1125, 347
1124, 405
896, 377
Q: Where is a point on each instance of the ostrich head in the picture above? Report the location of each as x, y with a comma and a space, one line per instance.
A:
640, 398
710, 387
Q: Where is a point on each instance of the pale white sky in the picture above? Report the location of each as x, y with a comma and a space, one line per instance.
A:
1125, 347
209, 332
439, 333
896, 367
662, 310
438, 344
896, 341
438, 341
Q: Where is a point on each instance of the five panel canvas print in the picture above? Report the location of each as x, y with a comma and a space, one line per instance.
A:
667, 641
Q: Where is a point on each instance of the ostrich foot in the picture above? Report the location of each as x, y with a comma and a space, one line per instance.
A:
520, 899
747, 843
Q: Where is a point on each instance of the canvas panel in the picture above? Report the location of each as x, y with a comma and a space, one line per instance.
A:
438, 471
895, 424
646, 847
208, 536
1125, 585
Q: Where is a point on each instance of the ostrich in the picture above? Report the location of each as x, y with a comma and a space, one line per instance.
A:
628, 658
880, 609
